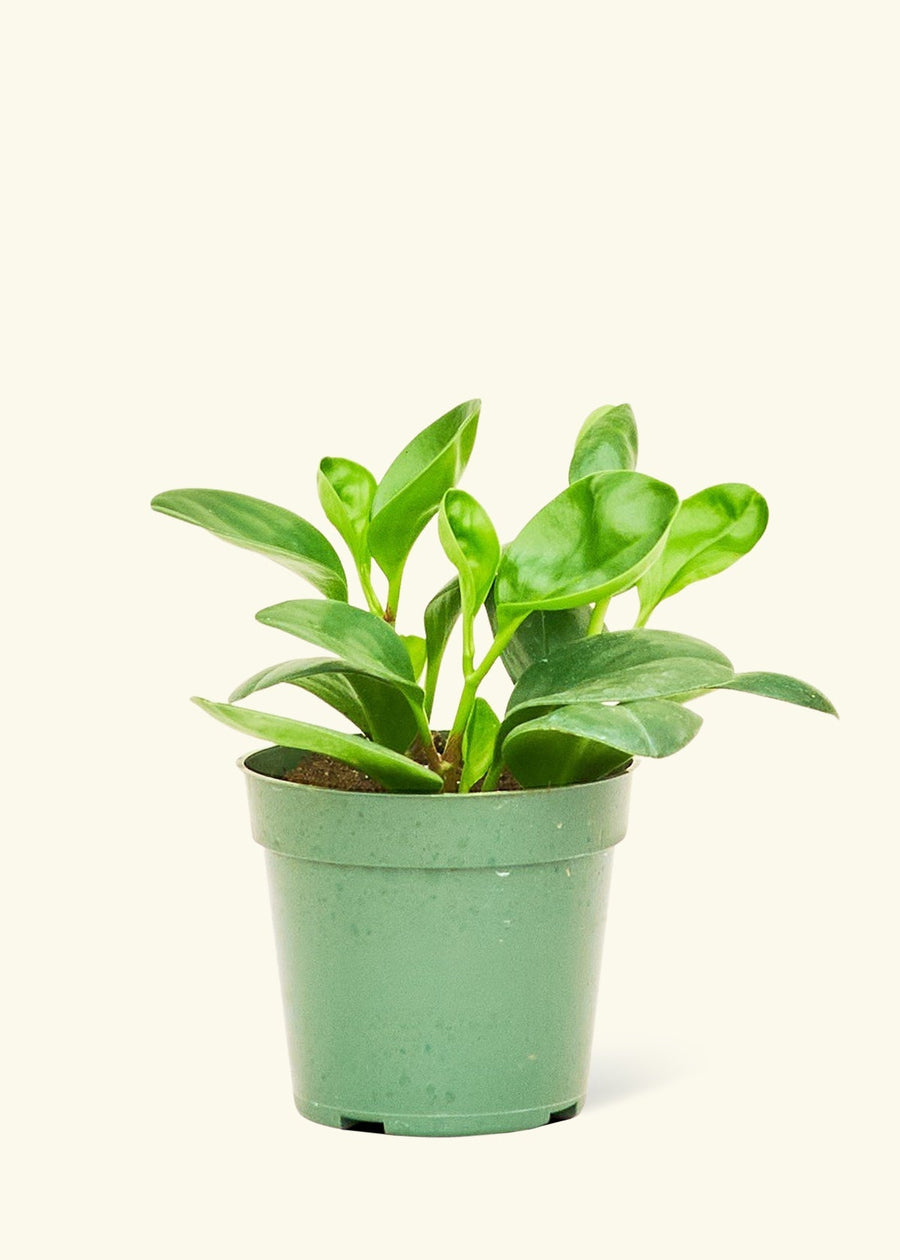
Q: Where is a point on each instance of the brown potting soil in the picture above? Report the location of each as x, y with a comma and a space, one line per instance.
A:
319, 770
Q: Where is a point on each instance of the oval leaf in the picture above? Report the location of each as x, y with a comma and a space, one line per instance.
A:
411, 490
441, 616
593, 739
551, 759
388, 710
379, 709
710, 531
471, 544
608, 440
391, 769
479, 739
782, 687
264, 527
346, 491
540, 635
622, 665
592, 541
337, 691
363, 640
290, 672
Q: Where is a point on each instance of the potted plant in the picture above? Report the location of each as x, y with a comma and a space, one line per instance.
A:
439, 894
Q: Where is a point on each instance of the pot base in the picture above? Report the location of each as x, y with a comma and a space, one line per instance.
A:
439, 1125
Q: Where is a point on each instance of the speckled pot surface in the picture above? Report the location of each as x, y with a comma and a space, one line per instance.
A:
439, 955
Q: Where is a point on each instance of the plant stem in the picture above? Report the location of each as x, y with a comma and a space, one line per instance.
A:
365, 581
642, 618
595, 625
475, 678
468, 645
393, 599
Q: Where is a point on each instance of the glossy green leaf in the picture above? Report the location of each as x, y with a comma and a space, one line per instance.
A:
554, 759
390, 768
540, 635
411, 490
363, 640
338, 691
622, 665
592, 541
296, 672
389, 712
259, 526
441, 616
581, 742
379, 709
782, 687
471, 544
479, 739
608, 440
711, 530
418, 652
346, 492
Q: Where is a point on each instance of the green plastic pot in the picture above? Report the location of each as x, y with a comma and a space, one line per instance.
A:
439, 955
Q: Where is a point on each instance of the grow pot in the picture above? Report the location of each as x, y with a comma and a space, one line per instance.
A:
439, 955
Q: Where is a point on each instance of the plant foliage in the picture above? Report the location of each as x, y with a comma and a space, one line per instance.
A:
586, 700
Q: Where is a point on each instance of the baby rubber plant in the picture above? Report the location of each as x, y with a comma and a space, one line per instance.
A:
585, 700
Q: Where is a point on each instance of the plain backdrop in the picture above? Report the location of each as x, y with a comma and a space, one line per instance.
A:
238, 237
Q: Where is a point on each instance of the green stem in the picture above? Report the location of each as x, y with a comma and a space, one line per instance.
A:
476, 677
393, 600
365, 581
642, 618
595, 625
468, 645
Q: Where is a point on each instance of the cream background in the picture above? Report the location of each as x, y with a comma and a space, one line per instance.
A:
238, 237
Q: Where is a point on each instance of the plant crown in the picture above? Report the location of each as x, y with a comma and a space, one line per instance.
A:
585, 700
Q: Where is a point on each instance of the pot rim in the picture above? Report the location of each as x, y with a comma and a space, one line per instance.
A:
525, 827
506, 794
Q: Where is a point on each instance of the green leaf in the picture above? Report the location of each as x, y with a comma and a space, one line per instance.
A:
411, 490
296, 672
540, 635
478, 743
621, 665
380, 709
441, 616
363, 640
387, 767
472, 546
259, 526
710, 531
608, 440
553, 759
418, 652
592, 740
346, 491
592, 541
389, 712
782, 687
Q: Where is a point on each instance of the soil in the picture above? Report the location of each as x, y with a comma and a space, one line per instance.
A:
318, 770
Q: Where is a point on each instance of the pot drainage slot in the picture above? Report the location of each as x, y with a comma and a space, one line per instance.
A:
566, 1113
362, 1126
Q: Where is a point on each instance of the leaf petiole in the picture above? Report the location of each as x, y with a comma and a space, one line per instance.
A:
393, 599
365, 581
595, 625
474, 681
